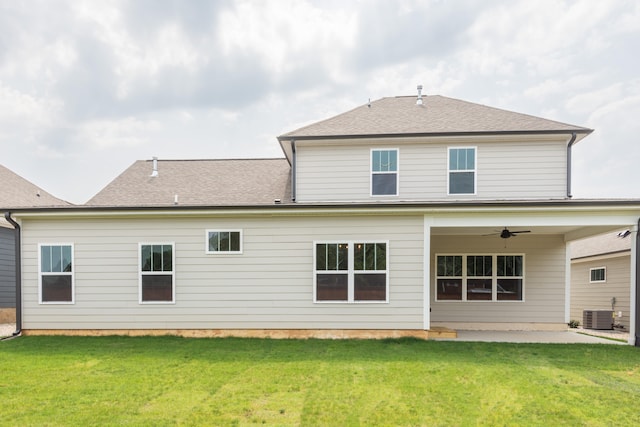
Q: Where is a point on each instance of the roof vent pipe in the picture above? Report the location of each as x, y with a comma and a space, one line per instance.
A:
419, 101
154, 173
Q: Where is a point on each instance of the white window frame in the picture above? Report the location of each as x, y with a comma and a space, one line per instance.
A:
591, 270
396, 172
474, 170
157, 273
63, 273
351, 272
213, 230
465, 277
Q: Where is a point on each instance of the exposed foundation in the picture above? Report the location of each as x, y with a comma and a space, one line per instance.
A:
7, 315
255, 333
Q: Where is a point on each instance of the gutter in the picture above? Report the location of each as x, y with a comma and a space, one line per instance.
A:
18, 248
571, 142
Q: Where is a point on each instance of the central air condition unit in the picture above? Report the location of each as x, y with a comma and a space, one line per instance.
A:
597, 319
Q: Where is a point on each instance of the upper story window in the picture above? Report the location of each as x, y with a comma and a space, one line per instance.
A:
384, 172
462, 170
224, 242
157, 273
56, 273
598, 275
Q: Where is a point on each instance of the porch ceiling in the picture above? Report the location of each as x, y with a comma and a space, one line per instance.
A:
569, 232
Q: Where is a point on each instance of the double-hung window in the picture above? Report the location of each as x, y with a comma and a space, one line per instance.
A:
351, 271
224, 242
56, 274
462, 170
598, 275
384, 172
479, 277
157, 273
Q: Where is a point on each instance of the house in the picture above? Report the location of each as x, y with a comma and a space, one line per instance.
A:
600, 276
16, 192
404, 216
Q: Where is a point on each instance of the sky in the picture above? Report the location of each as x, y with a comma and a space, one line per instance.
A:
89, 87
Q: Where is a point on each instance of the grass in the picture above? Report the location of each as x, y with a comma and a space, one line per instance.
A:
165, 381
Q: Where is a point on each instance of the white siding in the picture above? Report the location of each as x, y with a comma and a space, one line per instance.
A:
505, 170
543, 281
269, 286
585, 295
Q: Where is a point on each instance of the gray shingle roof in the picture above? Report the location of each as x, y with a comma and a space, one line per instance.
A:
601, 244
234, 182
438, 115
17, 192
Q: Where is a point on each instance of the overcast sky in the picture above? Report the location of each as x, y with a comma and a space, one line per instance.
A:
89, 87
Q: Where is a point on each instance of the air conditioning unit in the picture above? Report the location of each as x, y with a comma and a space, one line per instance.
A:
597, 319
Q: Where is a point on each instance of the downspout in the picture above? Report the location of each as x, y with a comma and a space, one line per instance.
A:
18, 248
571, 142
293, 170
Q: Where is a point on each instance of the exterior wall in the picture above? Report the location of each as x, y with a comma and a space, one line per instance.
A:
505, 170
269, 285
585, 295
544, 282
7, 268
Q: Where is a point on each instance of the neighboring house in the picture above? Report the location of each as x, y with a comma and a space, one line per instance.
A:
601, 276
395, 218
15, 192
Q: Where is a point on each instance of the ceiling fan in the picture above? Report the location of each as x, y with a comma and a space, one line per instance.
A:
506, 233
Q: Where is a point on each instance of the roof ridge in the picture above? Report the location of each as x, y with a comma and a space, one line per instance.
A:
216, 160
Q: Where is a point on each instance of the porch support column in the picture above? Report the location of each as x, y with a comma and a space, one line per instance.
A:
426, 271
567, 282
633, 302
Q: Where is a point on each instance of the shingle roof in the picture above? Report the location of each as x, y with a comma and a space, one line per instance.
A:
17, 192
437, 115
233, 182
601, 244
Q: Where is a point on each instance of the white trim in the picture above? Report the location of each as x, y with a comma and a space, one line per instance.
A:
426, 287
163, 273
567, 283
350, 272
474, 170
213, 230
396, 172
632, 294
494, 277
63, 273
591, 270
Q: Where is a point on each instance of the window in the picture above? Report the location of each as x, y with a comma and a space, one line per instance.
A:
598, 275
384, 172
224, 242
479, 277
56, 273
351, 272
462, 170
157, 273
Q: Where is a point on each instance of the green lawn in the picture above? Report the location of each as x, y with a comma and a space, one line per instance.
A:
158, 381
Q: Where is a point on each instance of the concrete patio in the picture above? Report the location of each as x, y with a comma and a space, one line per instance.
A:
570, 336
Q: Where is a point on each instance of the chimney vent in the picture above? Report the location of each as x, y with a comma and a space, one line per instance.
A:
419, 101
154, 173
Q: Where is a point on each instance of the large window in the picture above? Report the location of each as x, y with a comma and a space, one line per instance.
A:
598, 275
479, 277
351, 272
56, 273
157, 273
224, 242
384, 172
462, 170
